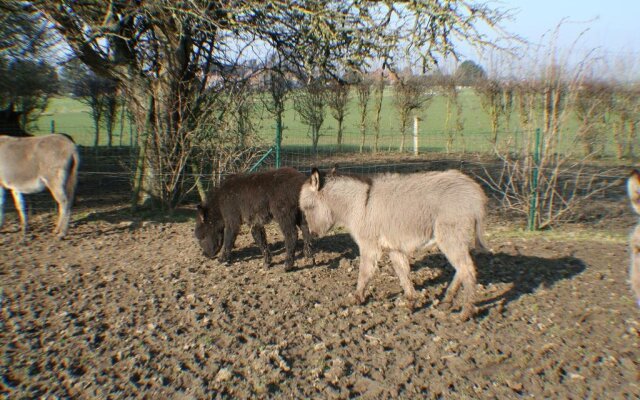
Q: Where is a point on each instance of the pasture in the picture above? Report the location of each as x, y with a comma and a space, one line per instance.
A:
127, 306
73, 117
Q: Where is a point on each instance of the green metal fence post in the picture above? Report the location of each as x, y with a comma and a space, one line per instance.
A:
534, 184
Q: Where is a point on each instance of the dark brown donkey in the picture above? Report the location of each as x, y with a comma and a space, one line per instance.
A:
253, 199
10, 123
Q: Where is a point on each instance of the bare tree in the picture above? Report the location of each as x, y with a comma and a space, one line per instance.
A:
96, 92
279, 88
337, 100
626, 114
541, 180
23, 34
310, 105
592, 102
378, 90
28, 85
162, 53
490, 93
110, 114
411, 93
453, 124
223, 138
363, 92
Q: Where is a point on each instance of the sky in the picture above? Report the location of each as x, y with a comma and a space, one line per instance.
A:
610, 25
601, 36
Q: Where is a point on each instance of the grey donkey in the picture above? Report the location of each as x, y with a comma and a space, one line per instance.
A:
401, 213
31, 164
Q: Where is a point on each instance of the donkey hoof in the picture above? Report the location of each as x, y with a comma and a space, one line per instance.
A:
446, 305
359, 298
411, 303
467, 313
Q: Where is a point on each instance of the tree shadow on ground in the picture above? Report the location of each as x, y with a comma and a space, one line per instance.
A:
123, 213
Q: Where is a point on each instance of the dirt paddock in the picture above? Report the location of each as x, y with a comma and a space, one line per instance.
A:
129, 308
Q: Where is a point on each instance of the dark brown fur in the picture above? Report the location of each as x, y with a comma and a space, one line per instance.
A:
10, 123
253, 199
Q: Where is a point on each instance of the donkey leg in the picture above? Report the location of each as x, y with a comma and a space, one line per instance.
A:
368, 266
288, 227
451, 292
64, 208
260, 237
306, 238
230, 233
401, 266
18, 199
455, 246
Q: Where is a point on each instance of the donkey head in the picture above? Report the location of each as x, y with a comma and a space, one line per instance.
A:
315, 205
209, 231
10, 122
633, 187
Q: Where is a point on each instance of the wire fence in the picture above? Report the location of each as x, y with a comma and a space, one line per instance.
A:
106, 173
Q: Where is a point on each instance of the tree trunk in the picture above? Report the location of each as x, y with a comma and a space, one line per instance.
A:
339, 140
363, 128
631, 140
202, 192
315, 137
122, 112
96, 135
403, 131
378, 111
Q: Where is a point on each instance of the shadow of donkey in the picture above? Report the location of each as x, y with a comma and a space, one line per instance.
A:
525, 273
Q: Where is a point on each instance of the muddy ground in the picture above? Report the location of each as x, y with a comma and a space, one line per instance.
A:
128, 307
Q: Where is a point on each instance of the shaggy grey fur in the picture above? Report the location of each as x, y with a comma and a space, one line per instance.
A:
401, 214
29, 164
633, 186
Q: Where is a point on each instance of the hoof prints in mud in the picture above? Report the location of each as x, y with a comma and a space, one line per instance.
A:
136, 311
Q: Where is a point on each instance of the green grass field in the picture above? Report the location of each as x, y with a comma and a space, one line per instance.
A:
73, 117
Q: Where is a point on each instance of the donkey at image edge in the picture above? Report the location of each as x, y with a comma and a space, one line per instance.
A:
401, 213
31, 164
633, 187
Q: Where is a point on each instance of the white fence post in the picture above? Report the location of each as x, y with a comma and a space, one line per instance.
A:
415, 135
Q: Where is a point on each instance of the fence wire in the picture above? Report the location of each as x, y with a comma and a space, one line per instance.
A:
106, 173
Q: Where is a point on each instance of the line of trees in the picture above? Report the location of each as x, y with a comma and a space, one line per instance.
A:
172, 60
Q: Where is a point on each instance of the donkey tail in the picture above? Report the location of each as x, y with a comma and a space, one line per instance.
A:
72, 175
481, 245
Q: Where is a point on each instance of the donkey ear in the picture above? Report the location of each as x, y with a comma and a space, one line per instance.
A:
633, 187
315, 180
334, 170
